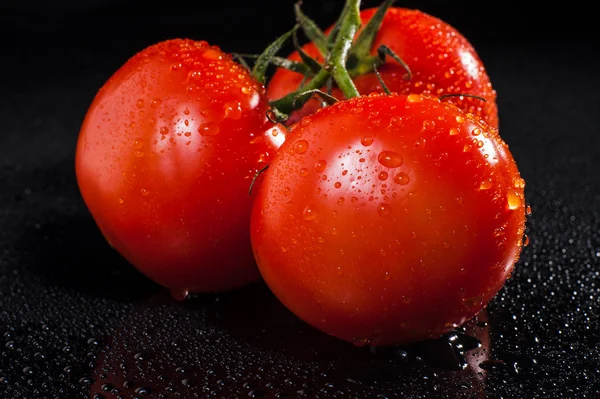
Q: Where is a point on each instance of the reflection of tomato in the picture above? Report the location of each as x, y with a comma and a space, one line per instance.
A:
441, 59
165, 157
388, 219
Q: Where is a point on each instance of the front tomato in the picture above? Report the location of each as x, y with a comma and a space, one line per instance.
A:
165, 156
389, 219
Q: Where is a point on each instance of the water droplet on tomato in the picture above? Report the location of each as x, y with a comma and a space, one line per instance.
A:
356, 110
340, 201
156, 103
121, 200
337, 184
320, 166
513, 200
304, 172
301, 146
528, 210
233, 110
428, 125
454, 131
138, 153
187, 134
476, 131
401, 178
390, 159
384, 209
144, 192
287, 191
486, 184
459, 119
138, 144
309, 212
525, 240
354, 200
179, 294
414, 98
140, 103
163, 130
209, 129
406, 299
383, 175
518, 182
212, 54
366, 141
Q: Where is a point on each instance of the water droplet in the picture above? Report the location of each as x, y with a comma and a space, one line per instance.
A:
390, 159
138, 153
187, 134
383, 175
245, 90
354, 200
406, 299
156, 103
287, 191
301, 146
310, 212
528, 210
356, 110
337, 184
179, 294
340, 201
121, 200
526, 240
304, 172
454, 131
414, 98
144, 192
138, 144
513, 200
320, 166
428, 125
396, 121
476, 131
486, 184
140, 103
518, 182
233, 110
209, 129
163, 130
366, 141
460, 119
212, 54
401, 178
384, 209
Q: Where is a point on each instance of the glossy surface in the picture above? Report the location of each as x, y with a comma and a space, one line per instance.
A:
441, 59
164, 160
389, 219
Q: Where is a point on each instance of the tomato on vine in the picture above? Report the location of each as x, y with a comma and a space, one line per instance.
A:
164, 159
413, 52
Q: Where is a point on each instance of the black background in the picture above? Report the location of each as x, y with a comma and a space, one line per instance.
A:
75, 316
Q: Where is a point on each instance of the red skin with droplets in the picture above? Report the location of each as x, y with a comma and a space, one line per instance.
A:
441, 59
164, 160
389, 219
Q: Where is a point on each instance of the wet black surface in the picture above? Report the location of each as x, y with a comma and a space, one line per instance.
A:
76, 321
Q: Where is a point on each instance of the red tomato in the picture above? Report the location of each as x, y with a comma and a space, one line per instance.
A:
441, 59
389, 219
164, 160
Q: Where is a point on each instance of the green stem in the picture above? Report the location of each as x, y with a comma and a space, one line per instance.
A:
292, 101
341, 49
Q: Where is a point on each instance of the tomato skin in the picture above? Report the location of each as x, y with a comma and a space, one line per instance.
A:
441, 59
164, 159
389, 219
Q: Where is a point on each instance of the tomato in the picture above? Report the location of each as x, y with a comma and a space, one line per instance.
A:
389, 219
164, 160
441, 59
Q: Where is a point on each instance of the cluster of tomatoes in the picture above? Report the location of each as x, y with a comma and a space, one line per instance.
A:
384, 207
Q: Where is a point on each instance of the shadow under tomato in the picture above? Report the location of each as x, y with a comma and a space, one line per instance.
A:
246, 342
70, 252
